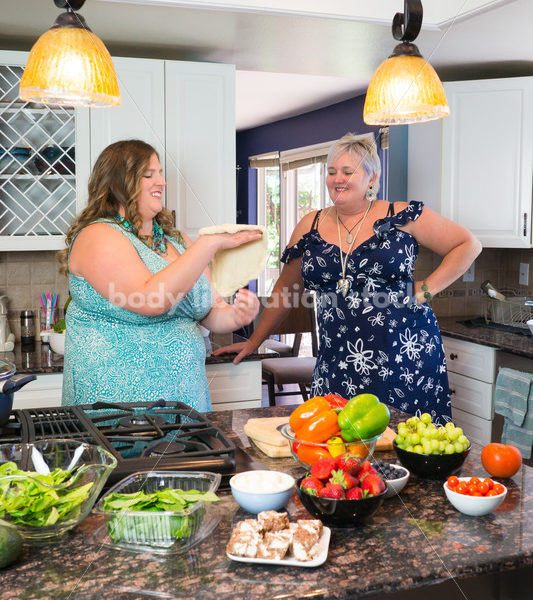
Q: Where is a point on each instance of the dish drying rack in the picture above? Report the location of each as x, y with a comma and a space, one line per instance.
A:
514, 310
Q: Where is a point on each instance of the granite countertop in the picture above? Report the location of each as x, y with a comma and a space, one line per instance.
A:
417, 539
514, 343
40, 359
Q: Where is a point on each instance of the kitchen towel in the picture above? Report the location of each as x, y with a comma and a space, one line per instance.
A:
513, 398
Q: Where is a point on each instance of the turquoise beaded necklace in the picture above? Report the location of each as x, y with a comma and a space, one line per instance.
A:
156, 242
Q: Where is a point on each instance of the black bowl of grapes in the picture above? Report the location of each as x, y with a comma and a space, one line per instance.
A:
429, 450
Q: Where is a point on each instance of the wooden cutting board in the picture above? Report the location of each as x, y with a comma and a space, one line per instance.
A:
266, 436
385, 442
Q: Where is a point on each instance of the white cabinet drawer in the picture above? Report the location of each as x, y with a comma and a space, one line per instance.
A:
44, 391
471, 395
471, 360
235, 386
475, 428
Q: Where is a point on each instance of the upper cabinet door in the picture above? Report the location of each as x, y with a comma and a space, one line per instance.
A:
487, 159
44, 164
200, 159
141, 114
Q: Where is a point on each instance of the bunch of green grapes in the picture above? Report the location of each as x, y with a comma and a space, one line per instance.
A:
420, 435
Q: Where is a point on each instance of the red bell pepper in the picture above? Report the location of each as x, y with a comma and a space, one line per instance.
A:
335, 401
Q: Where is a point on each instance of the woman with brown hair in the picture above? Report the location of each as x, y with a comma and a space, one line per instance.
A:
139, 290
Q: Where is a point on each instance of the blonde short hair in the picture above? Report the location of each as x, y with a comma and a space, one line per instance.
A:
361, 148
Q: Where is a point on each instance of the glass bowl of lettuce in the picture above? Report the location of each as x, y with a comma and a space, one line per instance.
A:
166, 511
48, 487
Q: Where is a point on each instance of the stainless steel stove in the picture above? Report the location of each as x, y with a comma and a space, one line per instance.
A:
142, 436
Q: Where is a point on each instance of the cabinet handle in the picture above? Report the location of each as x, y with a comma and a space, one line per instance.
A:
453, 356
452, 391
525, 224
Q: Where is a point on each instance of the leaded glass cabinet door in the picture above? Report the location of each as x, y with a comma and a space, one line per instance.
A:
44, 164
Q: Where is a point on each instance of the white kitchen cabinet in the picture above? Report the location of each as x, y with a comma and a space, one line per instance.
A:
471, 376
424, 163
231, 386
487, 159
186, 110
200, 136
44, 391
44, 164
235, 386
141, 114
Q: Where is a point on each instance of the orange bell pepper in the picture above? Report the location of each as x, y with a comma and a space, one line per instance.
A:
319, 428
311, 454
306, 411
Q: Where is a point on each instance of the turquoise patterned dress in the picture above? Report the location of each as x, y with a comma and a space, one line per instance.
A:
115, 355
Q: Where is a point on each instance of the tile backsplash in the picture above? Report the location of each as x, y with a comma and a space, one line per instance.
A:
25, 275
499, 265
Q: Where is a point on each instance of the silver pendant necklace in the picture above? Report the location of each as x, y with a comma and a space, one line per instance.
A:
349, 238
344, 284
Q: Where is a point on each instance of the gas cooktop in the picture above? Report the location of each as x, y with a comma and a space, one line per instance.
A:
143, 436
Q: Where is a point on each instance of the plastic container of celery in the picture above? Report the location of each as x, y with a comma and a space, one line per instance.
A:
159, 531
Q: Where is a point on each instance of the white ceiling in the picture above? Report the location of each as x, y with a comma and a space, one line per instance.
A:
293, 56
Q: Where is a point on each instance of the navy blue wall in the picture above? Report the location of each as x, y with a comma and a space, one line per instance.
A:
314, 127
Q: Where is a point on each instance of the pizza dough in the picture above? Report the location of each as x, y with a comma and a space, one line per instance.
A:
233, 268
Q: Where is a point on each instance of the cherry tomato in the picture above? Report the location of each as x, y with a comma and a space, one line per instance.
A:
483, 488
452, 481
311, 454
462, 488
498, 488
489, 482
474, 481
472, 489
501, 460
295, 446
492, 493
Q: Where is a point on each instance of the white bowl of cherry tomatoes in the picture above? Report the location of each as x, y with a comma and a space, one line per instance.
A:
474, 496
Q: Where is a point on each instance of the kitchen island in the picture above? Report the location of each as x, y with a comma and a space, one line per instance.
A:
416, 546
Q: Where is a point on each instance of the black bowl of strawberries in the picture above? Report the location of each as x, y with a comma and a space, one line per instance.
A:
342, 491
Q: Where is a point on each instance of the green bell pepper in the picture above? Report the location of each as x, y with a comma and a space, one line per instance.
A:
363, 417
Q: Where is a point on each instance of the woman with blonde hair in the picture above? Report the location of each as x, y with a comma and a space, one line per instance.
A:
377, 332
140, 289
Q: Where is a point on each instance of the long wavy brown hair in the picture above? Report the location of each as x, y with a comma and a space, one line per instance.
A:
115, 182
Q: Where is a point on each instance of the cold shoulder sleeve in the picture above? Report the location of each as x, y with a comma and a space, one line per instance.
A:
382, 227
294, 251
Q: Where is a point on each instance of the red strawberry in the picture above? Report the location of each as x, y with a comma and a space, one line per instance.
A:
345, 479
373, 484
354, 494
366, 467
349, 462
332, 490
322, 468
311, 485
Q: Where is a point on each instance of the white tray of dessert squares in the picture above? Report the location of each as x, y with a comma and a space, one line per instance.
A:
272, 534
319, 559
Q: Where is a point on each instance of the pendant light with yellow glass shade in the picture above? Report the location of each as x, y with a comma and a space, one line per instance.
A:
405, 88
69, 65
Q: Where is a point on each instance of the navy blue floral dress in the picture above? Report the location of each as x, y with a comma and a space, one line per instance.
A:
377, 338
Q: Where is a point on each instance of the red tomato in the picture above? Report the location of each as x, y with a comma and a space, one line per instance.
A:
501, 460
483, 488
452, 481
295, 446
472, 489
462, 488
498, 488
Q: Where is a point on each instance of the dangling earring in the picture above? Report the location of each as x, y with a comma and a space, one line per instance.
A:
370, 193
